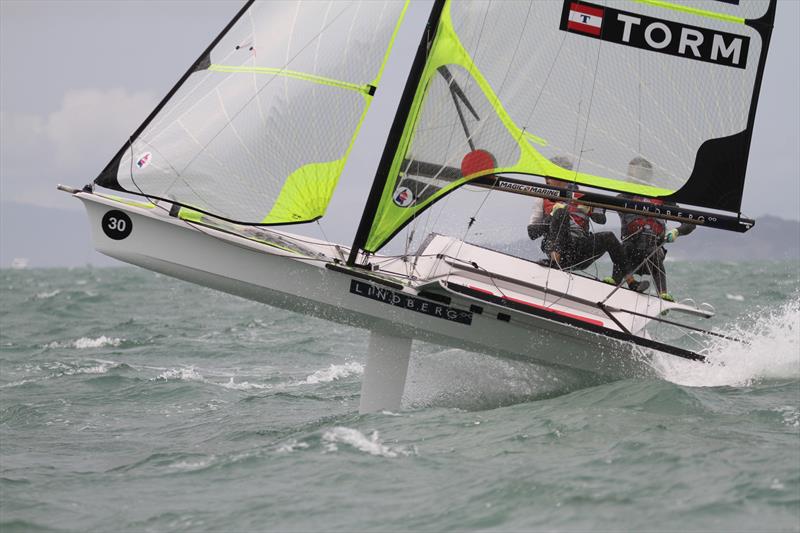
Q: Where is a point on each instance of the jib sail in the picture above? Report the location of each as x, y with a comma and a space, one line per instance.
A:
260, 127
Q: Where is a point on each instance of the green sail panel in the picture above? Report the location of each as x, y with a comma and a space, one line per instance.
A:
260, 129
521, 83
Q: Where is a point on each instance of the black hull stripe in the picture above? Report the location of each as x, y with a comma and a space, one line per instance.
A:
580, 324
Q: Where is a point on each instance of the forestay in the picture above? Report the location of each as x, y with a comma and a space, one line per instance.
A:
259, 130
510, 85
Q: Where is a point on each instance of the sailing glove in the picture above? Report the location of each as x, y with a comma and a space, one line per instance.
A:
557, 206
671, 235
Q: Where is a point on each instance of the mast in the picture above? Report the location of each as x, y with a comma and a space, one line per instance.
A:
396, 131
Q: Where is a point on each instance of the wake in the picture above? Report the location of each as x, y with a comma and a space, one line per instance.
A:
773, 353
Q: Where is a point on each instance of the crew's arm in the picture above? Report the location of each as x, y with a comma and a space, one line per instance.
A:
537, 225
683, 229
537, 230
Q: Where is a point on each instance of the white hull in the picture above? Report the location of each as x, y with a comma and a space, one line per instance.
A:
266, 273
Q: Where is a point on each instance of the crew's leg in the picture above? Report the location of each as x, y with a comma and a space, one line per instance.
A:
658, 271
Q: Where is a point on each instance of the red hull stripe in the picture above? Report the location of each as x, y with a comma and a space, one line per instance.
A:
484, 291
583, 28
543, 308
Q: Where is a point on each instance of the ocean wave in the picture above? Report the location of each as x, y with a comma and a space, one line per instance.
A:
85, 342
192, 375
102, 367
354, 438
242, 385
772, 352
180, 374
335, 372
47, 295
791, 416
291, 446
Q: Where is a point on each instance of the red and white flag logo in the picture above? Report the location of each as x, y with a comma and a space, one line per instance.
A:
585, 19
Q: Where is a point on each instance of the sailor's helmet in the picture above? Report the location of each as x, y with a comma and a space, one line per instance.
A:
564, 161
640, 169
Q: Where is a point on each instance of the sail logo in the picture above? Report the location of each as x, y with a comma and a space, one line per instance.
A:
585, 19
144, 160
418, 305
655, 35
403, 197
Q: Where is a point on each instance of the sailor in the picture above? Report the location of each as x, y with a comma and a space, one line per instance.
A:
565, 230
643, 235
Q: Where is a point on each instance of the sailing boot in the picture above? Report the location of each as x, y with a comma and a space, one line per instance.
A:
639, 286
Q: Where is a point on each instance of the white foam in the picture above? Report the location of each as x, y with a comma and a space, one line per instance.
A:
46, 295
773, 352
353, 437
17, 383
791, 416
192, 465
335, 372
735, 297
180, 374
85, 342
99, 342
291, 446
102, 368
243, 385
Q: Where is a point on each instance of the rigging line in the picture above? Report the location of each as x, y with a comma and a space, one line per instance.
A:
322, 230
516, 49
584, 71
288, 51
176, 105
233, 128
497, 98
591, 100
179, 175
255, 78
244, 106
639, 121
547, 79
478, 43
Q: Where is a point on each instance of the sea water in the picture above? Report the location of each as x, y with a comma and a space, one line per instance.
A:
131, 401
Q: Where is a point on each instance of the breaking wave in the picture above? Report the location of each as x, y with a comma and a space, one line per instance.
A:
335, 372
772, 353
354, 438
85, 342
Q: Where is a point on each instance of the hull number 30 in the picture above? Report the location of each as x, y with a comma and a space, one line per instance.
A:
116, 225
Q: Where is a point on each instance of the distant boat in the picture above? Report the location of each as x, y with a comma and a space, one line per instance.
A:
19, 263
257, 133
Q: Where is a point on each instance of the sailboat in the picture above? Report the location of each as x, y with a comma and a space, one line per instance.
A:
254, 138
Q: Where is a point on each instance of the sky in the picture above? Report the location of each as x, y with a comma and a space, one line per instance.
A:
77, 77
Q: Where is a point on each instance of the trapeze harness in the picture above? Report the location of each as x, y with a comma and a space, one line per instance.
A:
644, 224
579, 217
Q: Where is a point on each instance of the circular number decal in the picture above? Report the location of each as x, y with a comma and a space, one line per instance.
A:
117, 225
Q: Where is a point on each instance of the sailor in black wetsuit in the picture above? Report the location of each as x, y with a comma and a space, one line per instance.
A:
643, 236
565, 230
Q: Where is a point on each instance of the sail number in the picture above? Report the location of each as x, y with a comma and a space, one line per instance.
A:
116, 225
